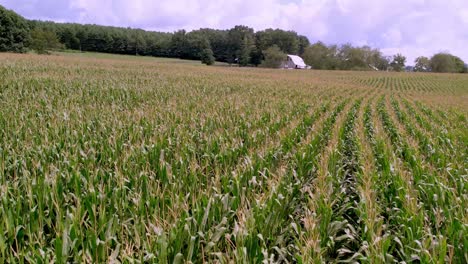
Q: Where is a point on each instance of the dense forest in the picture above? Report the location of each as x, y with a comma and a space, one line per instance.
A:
240, 45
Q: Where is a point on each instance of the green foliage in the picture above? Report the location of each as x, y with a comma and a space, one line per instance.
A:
303, 44
319, 56
246, 49
352, 58
106, 39
379, 61
422, 64
69, 38
207, 57
345, 57
179, 44
14, 31
43, 40
288, 41
460, 65
239, 44
445, 62
256, 56
273, 57
398, 63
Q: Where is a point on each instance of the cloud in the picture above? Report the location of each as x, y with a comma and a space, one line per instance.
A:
413, 27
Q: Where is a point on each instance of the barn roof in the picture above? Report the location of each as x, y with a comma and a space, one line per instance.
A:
297, 60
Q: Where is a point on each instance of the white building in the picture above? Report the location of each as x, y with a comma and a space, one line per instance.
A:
294, 62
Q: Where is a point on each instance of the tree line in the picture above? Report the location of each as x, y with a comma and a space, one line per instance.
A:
348, 57
240, 45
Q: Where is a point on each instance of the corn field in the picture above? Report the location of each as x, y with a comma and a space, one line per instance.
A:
120, 159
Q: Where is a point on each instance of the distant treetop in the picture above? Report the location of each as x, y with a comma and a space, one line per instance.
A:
239, 45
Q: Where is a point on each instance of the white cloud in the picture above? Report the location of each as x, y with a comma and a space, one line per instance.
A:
464, 15
392, 36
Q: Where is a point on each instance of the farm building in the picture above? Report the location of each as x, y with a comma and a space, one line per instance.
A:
294, 62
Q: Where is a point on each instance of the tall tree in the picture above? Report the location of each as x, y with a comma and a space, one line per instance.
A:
256, 56
303, 44
274, 56
197, 41
445, 62
422, 64
459, 65
381, 62
14, 31
217, 40
288, 41
245, 51
319, 56
207, 56
398, 63
68, 37
179, 44
138, 42
375, 59
44, 40
352, 58
240, 40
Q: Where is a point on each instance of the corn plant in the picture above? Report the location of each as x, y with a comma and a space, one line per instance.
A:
121, 159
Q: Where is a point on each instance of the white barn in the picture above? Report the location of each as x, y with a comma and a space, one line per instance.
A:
294, 62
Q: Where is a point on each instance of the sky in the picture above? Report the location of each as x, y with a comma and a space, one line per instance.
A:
411, 27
